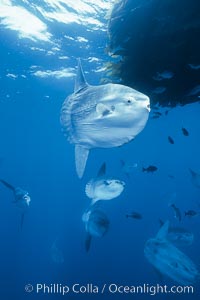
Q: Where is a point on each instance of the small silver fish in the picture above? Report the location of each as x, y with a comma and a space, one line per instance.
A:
195, 91
194, 66
195, 178
134, 215
163, 75
177, 212
191, 213
159, 90
185, 131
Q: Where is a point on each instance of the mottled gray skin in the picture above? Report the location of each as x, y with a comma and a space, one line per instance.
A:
102, 116
180, 236
170, 261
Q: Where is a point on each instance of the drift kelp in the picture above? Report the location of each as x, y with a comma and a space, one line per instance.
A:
102, 116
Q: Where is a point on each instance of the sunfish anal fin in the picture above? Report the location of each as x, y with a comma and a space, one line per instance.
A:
80, 81
81, 156
102, 109
102, 170
94, 201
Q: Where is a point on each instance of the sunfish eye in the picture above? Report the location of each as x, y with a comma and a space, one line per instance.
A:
119, 182
106, 182
129, 101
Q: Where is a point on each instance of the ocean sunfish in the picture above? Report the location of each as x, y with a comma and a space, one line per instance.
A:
96, 225
103, 188
103, 116
128, 168
179, 236
169, 260
22, 198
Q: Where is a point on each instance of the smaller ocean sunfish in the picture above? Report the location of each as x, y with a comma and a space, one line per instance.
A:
103, 188
96, 225
134, 215
150, 169
22, 198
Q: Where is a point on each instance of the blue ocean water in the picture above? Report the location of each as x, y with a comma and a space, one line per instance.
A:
40, 44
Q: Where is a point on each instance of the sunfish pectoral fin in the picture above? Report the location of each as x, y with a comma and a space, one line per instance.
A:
80, 81
88, 242
162, 233
81, 156
161, 222
102, 109
102, 170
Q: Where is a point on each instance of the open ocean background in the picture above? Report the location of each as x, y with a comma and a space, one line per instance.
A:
39, 47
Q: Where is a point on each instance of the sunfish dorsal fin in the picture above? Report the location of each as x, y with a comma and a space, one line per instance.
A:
80, 81
81, 156
162, 233
161, 222
8, 185
102, 170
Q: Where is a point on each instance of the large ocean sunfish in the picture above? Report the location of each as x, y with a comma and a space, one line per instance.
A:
169, 260
104, 116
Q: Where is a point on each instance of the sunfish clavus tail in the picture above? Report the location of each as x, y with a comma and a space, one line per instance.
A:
103, 116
